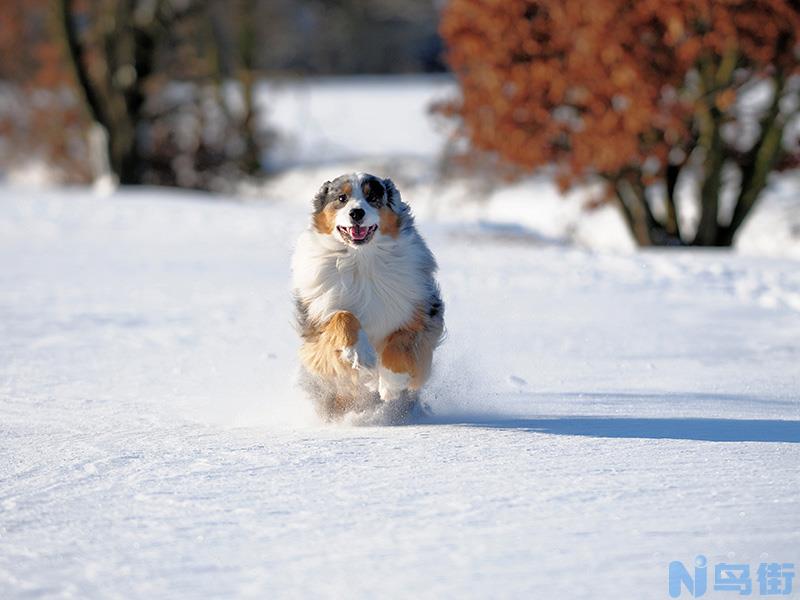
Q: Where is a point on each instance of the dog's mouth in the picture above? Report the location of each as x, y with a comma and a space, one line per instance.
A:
357, 234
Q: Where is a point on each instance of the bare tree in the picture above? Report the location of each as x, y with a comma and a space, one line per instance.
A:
128, 56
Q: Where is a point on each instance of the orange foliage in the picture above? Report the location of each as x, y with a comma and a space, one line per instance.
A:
604, 86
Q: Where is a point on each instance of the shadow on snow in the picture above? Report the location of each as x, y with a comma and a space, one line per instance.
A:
701, 429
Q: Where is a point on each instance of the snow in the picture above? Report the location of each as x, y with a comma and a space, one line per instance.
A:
596, 411
325, 119
596, 415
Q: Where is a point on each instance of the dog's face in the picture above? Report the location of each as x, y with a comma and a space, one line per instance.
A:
355, 208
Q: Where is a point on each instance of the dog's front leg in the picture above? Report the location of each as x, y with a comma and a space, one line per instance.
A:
391, 385
401, 364
340, 348
348, 338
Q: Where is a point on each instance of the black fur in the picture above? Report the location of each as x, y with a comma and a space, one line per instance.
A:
373, 190
392, 195
322, 197
378, 192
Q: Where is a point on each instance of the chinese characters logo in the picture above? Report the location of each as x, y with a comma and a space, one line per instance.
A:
771, 579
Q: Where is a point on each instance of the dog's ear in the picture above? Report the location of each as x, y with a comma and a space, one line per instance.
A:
373, 189
322, 196
392, 194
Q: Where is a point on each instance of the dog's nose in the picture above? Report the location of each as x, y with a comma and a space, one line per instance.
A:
357, 214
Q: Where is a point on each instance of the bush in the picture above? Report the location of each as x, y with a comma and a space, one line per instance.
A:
640, 94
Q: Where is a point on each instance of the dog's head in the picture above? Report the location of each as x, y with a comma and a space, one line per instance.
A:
357, 207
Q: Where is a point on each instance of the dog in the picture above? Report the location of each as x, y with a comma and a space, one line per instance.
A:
368, 306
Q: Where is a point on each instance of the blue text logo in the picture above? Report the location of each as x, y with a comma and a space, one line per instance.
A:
772, 579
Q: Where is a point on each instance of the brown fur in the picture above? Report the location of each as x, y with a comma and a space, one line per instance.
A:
347, 188
389, 222
325, 219
410, 350
321, 351
407, 350
340, 404
321, 354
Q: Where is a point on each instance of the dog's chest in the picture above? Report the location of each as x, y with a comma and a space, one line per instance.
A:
381, 289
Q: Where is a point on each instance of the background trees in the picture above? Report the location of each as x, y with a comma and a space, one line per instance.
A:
164, 91
646, 95
152, 75
40, 117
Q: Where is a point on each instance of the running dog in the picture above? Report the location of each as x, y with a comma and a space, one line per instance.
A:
368, 306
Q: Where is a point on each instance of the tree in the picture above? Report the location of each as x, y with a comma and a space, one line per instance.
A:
150, 73
40, 121
113, 82
644, 95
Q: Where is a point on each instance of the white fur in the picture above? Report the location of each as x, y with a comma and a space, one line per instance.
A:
381, 283
362, 355
392, 384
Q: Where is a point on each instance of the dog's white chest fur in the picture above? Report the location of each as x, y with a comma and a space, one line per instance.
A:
382, 284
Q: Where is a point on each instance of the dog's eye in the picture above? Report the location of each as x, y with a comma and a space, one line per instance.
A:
342, 198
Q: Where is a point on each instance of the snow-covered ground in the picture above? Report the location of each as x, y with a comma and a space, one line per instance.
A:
321, 119
597, 412
596, 415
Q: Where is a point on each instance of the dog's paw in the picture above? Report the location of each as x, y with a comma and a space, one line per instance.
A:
360, 355
392, 385
369, 379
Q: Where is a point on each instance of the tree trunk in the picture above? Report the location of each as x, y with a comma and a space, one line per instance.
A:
643, 225
757, 165
250, 161
714, 76
116, 103
711, 187
672, 226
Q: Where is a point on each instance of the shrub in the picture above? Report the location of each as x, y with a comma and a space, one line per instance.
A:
640, 94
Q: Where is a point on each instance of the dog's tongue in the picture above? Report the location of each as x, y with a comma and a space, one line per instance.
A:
358, 233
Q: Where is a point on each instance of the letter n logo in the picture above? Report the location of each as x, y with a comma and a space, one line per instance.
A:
678, 575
